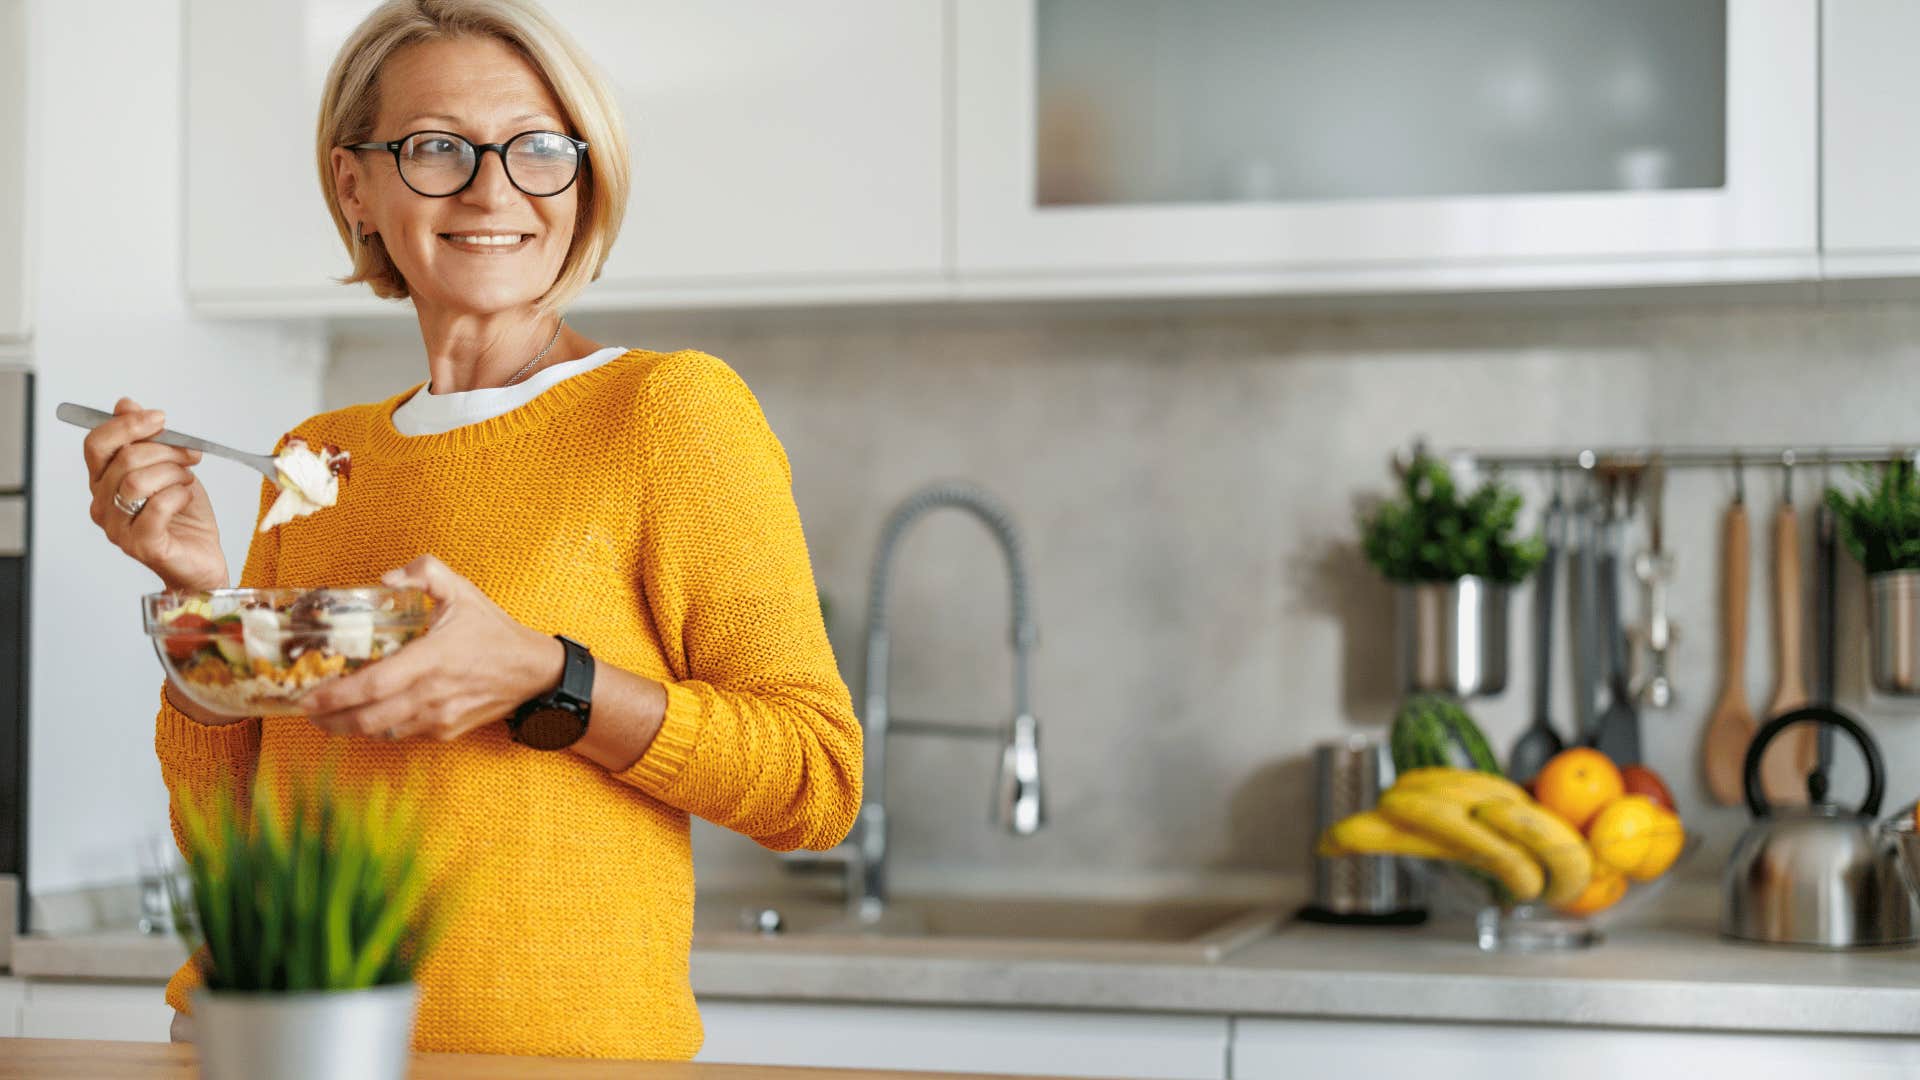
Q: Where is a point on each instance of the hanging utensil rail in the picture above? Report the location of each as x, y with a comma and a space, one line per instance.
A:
1599, 459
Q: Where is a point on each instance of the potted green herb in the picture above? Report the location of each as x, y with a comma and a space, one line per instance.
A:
1453, 559
1880, 526
314, 910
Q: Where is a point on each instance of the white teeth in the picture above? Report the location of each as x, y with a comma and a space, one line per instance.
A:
499, 239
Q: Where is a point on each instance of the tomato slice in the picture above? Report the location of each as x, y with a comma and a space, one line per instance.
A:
186, 634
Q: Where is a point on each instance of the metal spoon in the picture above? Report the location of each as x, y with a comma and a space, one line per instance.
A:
1540, 742
81, 416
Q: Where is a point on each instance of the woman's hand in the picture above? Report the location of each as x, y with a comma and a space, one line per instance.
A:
173, 533
474, 666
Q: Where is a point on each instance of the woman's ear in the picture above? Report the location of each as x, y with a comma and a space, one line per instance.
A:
346, 189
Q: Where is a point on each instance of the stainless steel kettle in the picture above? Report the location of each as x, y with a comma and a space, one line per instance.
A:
1819, 875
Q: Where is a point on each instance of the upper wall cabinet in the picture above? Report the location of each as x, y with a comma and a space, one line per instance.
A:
16, 247
780, 151
1871, 191
1114, 146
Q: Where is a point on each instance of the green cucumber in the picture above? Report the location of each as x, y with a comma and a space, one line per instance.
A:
1434, 731
232, 649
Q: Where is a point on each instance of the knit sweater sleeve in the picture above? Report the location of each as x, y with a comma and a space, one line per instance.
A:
197, 759
759, 734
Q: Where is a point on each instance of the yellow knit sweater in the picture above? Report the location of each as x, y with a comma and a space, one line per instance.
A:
643, 508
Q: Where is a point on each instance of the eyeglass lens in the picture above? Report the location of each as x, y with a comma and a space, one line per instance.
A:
441, 163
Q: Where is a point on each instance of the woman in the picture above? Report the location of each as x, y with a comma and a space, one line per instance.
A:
546, 491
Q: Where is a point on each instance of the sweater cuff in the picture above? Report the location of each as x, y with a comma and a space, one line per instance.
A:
179, 737
660, 767
185, 981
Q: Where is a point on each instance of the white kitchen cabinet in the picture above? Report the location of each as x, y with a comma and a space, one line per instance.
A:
13, 995
130, 1012
1870, 145
1016, 1041
781, 152
1110, 147
1275, 1049
16, 221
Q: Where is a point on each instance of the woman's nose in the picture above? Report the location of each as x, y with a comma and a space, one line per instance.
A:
490, 185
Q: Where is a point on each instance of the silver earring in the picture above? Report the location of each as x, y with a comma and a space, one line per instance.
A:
359, 232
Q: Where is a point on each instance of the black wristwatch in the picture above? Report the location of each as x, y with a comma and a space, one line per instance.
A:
557, 719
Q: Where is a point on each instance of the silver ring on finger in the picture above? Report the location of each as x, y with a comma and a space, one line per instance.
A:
393, 735
131, 508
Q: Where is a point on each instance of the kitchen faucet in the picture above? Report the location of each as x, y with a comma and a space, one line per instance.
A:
1017, 802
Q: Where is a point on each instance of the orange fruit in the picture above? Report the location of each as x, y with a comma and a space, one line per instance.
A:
1622, 835
1663, 846
1577, 783
1604, 891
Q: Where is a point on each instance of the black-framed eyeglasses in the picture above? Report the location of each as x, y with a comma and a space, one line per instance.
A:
438, 164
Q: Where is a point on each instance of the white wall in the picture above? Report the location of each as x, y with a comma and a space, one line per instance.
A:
106, 96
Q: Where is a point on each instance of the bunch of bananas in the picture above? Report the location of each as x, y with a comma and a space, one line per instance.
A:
1478, 819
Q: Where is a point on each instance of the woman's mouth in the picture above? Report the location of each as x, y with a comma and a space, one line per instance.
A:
489, 243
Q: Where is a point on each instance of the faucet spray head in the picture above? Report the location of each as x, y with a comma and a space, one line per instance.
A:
1018, 805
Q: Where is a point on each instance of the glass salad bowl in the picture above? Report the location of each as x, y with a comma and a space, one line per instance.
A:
1501, 924
254, 652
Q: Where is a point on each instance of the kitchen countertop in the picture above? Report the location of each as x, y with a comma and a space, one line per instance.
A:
1673, 973
45, 1059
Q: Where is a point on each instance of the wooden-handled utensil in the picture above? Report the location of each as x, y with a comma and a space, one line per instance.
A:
1730, 726
1783, 771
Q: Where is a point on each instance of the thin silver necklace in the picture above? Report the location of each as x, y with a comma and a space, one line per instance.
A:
541, 355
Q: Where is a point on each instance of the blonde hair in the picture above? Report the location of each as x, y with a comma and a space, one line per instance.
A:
351, 100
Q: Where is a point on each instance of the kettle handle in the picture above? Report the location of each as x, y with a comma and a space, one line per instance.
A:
1876, 771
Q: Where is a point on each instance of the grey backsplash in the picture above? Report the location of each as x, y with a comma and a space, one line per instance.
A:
1186, 477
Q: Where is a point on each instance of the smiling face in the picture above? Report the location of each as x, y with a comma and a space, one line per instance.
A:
491, 247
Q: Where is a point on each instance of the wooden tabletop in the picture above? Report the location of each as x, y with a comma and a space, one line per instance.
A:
42, 1059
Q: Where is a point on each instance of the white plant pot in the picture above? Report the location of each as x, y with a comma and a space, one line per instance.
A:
327, 1035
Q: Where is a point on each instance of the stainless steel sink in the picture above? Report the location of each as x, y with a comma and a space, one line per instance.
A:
1177, 930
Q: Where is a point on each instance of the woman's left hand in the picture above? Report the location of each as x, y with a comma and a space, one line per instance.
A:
474, 666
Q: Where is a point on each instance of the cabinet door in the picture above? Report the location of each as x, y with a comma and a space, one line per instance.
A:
259, 238
13, 995
1360, 143
774, 140
16, 223
1002, 1041
76, 1010
777, 148
1277, 1049
1871, 145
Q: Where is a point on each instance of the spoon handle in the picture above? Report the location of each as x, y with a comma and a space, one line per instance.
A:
81, 416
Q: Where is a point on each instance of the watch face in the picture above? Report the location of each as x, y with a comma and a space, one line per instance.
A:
551, 729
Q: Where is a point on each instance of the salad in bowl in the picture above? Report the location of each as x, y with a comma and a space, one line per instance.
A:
255, 652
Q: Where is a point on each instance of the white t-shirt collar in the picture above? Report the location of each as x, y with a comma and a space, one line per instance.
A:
437, 414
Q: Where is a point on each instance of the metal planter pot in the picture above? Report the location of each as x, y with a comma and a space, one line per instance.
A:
1893, 602
1453, 637
337, 1035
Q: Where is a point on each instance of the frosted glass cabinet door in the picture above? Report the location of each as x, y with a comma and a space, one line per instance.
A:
772, 142
1446, 141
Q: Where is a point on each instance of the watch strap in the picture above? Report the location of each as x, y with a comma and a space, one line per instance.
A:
558, 718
